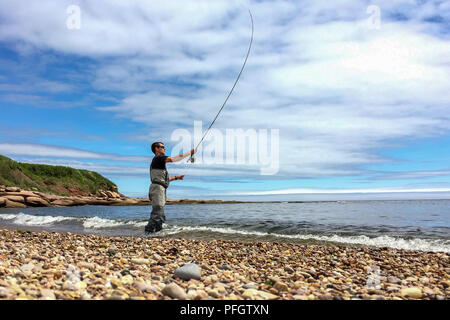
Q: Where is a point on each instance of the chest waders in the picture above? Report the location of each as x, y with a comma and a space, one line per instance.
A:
160, 177
158, 196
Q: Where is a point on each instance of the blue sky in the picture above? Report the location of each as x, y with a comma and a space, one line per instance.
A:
361, 108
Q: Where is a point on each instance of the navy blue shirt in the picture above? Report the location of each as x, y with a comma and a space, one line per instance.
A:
159, 162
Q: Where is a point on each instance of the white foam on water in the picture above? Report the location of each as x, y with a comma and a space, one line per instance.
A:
98, 223
88, 223
33, 220
139, 224
7, 216
435, 245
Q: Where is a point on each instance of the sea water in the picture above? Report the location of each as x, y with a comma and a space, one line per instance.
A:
409, 224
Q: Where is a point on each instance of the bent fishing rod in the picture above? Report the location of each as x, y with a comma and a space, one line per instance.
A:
192, 159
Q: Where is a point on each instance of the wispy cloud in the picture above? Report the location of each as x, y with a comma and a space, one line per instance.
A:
338, 91
37, 150
413, 174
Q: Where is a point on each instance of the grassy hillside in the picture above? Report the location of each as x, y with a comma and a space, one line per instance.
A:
52, 179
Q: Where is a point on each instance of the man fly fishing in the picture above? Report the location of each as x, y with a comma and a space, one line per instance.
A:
158, 173
159, 183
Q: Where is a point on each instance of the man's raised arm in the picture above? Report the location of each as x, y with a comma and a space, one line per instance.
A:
181, 156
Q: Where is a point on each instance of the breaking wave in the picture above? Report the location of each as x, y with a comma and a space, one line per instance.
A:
32, 220
96, 223
87, 223
435, 245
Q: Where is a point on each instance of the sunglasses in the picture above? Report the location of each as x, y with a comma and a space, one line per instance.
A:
161, 147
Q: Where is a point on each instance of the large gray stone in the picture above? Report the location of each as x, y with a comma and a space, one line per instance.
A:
188, 271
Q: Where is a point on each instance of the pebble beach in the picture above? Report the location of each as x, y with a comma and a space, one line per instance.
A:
50, 265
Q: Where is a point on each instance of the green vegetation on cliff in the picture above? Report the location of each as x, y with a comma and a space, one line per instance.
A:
52, 179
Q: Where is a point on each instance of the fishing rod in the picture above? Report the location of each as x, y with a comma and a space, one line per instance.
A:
192, 159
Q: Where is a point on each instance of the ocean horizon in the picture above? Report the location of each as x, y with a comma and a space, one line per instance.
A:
317, 196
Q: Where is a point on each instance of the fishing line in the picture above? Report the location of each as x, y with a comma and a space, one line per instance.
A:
192, 159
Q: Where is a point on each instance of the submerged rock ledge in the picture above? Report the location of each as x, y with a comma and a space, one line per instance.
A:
13, 197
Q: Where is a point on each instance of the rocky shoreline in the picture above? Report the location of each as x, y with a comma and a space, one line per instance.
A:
13, 197
47, 266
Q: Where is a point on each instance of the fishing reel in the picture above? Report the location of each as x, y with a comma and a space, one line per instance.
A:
192, 159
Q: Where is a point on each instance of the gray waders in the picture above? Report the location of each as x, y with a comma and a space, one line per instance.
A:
158, 197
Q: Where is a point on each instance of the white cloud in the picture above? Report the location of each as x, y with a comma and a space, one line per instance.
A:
337, 91
109, 169
413, 174
37, 150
